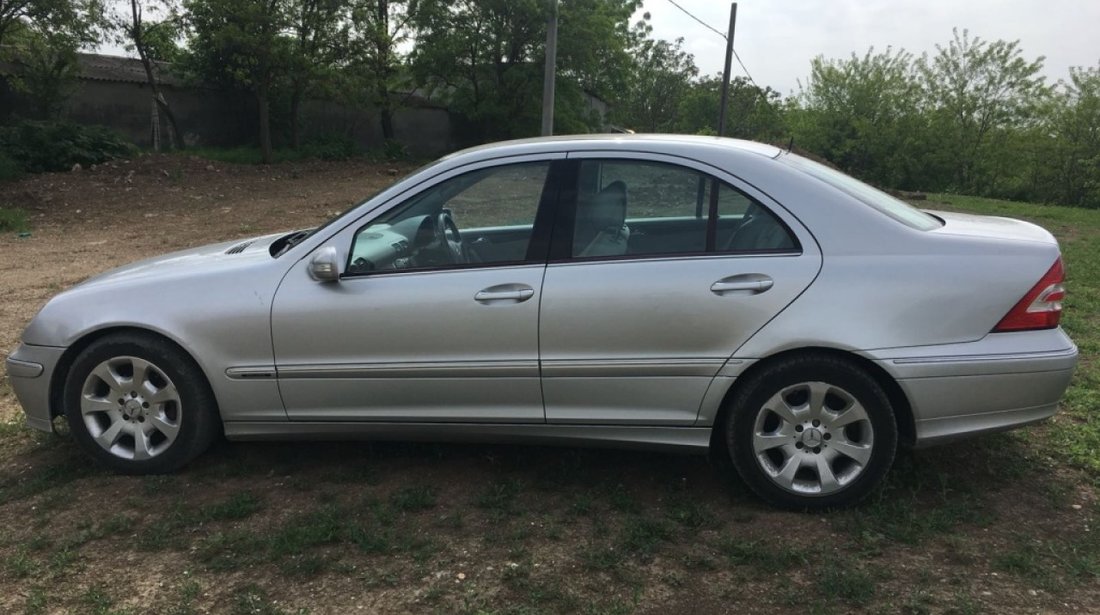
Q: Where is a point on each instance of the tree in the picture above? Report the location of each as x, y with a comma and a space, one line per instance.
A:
79, 21
41, 38
661, 77
1076, 129
751, 112
862, 114
484, 58
153, 42
242, 44
378, 27
979, 92
319, 33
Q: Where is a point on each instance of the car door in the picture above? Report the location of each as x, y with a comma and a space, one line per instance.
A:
427, 322
634, 330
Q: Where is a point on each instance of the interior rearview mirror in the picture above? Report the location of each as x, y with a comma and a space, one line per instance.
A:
325, 265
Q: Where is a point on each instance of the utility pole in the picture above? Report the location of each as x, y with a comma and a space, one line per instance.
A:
726, 72
551, 67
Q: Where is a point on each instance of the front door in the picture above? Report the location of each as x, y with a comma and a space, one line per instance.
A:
435, 317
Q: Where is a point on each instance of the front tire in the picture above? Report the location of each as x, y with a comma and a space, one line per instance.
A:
139, 405
811, 432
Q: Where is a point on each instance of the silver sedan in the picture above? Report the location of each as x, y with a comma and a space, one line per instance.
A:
668, 292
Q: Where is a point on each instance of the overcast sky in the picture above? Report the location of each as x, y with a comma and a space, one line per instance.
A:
777, 38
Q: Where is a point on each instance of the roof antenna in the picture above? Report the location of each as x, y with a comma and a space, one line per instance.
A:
790, 144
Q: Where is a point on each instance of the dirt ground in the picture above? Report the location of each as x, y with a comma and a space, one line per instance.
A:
993, 525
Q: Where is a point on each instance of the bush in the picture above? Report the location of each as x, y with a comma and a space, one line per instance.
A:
56, 146
13, 220
9, 168
331, 147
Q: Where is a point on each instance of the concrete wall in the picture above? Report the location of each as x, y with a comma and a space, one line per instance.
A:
425, 132
206, 117
226, 119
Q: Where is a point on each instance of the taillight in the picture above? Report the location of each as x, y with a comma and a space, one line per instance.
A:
1041, 307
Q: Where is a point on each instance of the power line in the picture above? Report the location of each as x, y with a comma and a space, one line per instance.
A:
703, 23
719, 33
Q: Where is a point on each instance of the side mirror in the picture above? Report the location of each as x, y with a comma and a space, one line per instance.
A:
325, 265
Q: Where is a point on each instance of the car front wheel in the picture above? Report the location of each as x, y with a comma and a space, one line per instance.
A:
139, 404
811, 432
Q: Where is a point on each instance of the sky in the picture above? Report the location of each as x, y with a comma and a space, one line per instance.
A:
776, 39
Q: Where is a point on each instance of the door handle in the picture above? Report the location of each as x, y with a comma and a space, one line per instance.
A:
746, 283
512, 293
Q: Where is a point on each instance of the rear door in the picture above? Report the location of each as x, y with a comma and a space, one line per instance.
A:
702, 261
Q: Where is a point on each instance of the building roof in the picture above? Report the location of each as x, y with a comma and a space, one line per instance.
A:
98, 67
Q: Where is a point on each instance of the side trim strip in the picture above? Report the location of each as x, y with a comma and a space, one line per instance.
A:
435, 369
642, 368
1020, 356
259, 372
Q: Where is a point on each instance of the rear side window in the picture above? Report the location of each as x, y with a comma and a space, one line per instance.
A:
643, 208
895, 208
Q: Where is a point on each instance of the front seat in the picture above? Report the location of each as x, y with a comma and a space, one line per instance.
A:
601, 228
759, 231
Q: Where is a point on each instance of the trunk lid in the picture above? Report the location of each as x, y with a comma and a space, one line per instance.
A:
991, 227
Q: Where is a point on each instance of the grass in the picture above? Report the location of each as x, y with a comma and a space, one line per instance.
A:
13, 219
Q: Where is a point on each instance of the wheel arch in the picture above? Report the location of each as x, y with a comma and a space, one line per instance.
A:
899, 402
65, 363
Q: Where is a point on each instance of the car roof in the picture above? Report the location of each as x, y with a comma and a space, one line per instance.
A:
670, 143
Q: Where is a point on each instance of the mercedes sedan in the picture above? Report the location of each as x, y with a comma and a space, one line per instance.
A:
671, 292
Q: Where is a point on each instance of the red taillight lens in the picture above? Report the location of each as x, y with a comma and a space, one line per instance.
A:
1041, 307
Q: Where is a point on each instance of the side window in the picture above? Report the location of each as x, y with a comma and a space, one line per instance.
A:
630, 207
483, 217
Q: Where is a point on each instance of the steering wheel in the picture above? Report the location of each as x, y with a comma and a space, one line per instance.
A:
449, 237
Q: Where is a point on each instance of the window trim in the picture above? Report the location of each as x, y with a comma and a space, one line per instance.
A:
562, 237
541, 229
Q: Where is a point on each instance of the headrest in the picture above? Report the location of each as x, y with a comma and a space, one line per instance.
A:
607, 208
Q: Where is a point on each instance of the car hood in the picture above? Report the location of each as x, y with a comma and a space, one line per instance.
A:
190, 261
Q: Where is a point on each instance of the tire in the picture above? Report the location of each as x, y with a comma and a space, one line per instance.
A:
811, 432
139, 404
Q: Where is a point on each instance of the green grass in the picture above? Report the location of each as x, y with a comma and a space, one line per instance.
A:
13, 220
1076, 433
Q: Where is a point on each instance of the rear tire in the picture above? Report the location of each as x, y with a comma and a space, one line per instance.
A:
811, 432
139, 405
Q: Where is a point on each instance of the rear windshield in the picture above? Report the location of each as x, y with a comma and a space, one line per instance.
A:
895, 208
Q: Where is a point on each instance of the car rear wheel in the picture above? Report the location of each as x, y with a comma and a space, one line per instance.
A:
811, 432
139, 405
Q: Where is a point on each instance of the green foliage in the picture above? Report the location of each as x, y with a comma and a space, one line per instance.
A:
858, 113
662, 76
10, 168
976, 117
980, 94
57, 146
485, 59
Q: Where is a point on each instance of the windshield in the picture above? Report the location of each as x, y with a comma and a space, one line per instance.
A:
895, 208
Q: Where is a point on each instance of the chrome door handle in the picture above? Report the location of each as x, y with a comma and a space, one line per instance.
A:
512, 293
747, 283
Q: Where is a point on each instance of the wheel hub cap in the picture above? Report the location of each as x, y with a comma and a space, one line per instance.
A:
131, 408
812, 438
